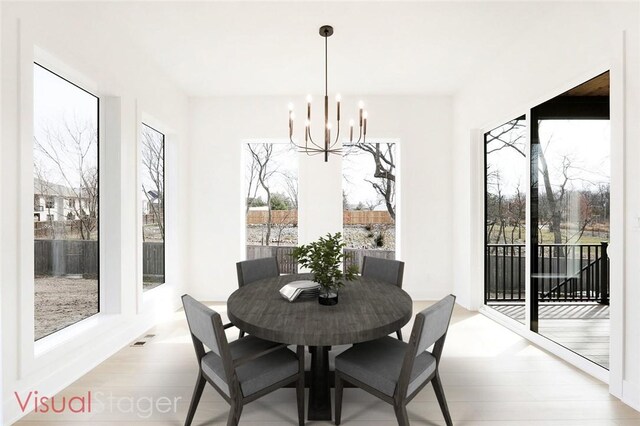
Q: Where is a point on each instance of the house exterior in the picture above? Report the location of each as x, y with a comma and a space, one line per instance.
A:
54, 202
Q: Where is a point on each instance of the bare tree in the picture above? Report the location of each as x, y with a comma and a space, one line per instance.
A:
153, 164
252, 184
72, 152
291, 187
372, 204
261, 154
557, 189
384, 171
285, 220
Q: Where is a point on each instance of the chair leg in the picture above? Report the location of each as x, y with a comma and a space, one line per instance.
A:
338, 390
195, 399
300, 385
401, 414
234, 413
241, 334
437, 387
399, 334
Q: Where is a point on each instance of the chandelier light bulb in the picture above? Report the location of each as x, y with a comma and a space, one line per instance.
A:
290, 106
360, 104
338, 97
309, 98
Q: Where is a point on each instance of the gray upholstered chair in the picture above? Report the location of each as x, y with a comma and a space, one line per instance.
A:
386, 270
254, 270
396, 371
243, 370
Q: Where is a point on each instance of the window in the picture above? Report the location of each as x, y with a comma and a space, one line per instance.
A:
65, 153
369, 200
271, 209
505, 218
153, 217
50, 203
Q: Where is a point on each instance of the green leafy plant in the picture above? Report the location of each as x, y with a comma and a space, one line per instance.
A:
324, 258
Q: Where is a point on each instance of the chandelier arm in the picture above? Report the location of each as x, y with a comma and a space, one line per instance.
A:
296, 145
337, 136
310, 138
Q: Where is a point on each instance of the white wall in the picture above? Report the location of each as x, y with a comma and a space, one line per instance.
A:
130, 88
2, 207
218, 127
572, 45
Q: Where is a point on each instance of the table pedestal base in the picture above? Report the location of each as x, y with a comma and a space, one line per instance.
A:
320, 386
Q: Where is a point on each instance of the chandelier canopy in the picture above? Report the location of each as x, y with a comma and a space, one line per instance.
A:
310, 147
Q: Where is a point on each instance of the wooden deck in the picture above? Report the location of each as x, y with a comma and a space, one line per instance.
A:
582, 328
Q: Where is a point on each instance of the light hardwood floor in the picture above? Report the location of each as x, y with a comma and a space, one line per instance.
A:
491, 376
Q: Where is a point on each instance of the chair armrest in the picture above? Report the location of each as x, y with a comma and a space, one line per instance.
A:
251, 357
228, 325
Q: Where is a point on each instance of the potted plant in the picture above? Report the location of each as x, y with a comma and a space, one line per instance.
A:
324, 258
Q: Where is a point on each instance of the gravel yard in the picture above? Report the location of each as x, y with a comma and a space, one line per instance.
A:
62, 301
356, 236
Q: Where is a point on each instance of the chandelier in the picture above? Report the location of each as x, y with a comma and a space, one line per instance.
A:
328, 146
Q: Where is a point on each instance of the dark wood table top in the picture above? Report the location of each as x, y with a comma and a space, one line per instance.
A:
367, 309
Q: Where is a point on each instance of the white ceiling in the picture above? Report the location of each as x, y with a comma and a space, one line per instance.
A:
261, 48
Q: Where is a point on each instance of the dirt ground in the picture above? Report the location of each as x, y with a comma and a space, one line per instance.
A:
62, 301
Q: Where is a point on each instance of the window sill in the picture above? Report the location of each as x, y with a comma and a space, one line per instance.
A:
71, 333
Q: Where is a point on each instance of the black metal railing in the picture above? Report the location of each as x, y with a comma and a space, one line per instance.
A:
564, 273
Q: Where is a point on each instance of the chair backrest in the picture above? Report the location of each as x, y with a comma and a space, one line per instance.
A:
257, 269
430, 327
205, 325
387, 270
434, 324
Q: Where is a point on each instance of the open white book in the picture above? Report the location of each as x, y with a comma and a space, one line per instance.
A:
294, 289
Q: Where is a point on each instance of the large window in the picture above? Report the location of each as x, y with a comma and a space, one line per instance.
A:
271, 194
65, 196
153, 217
369, 200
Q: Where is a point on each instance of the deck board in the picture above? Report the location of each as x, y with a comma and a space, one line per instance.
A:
582, 328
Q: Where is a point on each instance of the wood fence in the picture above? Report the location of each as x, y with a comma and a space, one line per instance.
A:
289, 266
80, 257
349, 217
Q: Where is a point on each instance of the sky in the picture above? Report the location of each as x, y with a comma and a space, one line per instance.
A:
585, 142
57, 101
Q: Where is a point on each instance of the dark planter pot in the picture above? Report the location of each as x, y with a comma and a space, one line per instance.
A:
328, 299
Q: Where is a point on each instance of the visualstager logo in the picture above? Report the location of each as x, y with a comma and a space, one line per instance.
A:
97, 402
44, 404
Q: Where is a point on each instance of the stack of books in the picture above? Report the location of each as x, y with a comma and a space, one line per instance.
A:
300, 289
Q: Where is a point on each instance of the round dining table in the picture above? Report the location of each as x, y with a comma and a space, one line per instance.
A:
367, 309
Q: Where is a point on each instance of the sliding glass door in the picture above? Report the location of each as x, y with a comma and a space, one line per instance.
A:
570, 179
565, 235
